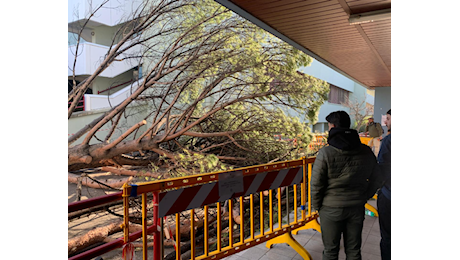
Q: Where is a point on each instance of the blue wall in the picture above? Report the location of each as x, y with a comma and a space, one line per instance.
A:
323, 72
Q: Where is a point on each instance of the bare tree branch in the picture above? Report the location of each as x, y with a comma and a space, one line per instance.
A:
211, 82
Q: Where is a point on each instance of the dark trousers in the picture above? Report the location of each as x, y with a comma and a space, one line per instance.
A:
384, 209
337, 221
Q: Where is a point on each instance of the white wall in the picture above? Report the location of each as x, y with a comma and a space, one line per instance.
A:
99, 34
113, 12
97, 102
90, 55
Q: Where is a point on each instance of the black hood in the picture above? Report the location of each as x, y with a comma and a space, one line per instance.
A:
344, 138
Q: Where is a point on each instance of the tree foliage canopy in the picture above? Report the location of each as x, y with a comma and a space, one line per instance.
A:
216, 88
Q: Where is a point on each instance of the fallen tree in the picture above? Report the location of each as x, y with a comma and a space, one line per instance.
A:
214, 85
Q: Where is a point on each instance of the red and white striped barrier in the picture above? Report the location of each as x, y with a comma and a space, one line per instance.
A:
197, 196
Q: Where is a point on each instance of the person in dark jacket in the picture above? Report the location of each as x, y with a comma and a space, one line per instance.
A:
384, 195
344, 176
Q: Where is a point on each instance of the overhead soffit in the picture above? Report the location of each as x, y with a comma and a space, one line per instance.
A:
321, 28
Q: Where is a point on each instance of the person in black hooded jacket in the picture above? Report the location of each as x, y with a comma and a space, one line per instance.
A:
344, 176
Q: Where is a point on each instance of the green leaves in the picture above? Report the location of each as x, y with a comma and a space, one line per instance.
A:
190, 162
236, 77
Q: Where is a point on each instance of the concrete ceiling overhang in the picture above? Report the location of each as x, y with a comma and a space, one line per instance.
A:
321, 28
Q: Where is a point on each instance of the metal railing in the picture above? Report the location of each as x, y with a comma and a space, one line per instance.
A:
80, 105
173, 196
119, 85
89, 203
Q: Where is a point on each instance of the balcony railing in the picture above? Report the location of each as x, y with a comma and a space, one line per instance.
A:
122, 84
80, 105
96, 102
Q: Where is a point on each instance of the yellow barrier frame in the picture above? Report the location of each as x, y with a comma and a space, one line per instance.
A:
282, 234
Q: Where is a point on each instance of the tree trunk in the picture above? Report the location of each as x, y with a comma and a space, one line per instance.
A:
92, 237
122, 160
115, 184
129, 172
98, 235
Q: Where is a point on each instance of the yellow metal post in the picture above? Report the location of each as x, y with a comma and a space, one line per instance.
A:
206, 230
261, 200
230, 223
287, 205
251, 198
144, 226
280, 223
303, 187
192, 233
125, 213
314, 224
295, 203
241, 220
270, 203
219, 239
309, 188
178, 253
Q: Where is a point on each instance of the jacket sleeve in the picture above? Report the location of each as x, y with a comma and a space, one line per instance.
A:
384, 159
375, 181
318, 180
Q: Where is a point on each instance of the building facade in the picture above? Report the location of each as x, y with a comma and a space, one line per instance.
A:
90, 37
99, 33
116, 82
343, 91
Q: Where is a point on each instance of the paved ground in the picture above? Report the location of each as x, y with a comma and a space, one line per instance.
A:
311, 241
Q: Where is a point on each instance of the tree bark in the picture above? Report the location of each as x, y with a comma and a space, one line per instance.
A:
130, 172
98, 235
115, 184
92, 237
122, 160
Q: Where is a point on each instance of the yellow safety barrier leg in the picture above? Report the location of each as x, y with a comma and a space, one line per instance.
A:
288, 239
314, 224
371, 209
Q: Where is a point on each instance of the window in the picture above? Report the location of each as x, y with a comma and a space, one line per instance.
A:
72, 39
337, 95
